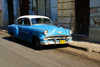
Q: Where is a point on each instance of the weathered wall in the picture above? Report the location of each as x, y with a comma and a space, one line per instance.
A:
66, 14
0, 4
41, 7
1, 16
54, 11
94, 31
5, 13
16, 9
32, 7
51, 10
48, 8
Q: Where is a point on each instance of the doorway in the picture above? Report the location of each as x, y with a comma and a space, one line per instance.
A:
44, 8
10, 12
82, 16
24, 8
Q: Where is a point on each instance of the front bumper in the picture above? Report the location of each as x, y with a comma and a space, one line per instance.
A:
54, 43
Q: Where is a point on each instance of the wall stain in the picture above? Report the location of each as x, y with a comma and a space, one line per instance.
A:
96, 21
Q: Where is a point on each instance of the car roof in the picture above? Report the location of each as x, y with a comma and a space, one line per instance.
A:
33, 16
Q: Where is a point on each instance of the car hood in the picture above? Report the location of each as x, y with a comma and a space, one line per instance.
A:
52, 30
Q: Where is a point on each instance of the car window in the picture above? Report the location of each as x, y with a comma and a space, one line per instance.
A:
26, 21
40, 21
19, 21
47, 21
34, 21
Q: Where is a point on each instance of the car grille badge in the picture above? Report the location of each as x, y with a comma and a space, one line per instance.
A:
59, 31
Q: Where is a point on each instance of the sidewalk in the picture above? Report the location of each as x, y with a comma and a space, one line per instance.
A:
78, 44
86, 45
3, 29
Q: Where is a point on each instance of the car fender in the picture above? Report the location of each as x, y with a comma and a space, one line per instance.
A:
40, 35
13, 29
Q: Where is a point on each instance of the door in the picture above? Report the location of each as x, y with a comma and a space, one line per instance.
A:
24, 31
82, 16
10, 12
1, 23
41, 7
24, 8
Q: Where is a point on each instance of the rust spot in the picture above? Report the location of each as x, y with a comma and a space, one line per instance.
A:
96, 21
94, 10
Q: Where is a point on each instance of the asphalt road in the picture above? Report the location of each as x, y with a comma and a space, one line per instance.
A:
21, 54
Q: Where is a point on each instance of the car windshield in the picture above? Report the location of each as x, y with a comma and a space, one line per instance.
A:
40, 21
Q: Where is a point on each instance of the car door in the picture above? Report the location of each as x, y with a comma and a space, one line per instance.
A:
25, 29
19, 25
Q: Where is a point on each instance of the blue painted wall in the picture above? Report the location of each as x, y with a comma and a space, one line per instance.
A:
16, 9
5, 13
54, 9
31, 4
54, 15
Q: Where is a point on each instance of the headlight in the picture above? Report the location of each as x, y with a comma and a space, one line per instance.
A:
71, 32
45, 32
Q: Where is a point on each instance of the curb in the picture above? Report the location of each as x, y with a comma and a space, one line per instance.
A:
84, 49
79, 48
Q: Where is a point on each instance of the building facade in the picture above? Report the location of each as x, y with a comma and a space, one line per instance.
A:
81, 16
94, 30
12, 9
74, 14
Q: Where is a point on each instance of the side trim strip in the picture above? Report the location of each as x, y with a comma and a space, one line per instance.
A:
24, 32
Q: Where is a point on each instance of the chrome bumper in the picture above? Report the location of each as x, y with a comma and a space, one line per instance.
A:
51, 43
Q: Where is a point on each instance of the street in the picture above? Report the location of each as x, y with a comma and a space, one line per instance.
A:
21, 54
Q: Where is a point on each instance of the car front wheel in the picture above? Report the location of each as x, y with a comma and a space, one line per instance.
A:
36, 43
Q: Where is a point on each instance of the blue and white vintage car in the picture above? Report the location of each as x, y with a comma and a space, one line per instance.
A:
40, 31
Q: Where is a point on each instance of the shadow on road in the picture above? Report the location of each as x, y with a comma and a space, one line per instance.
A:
29, 45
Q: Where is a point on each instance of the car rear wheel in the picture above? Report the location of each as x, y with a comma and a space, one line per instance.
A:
36, 43
13, 37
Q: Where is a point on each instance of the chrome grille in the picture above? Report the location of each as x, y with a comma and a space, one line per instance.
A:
57, 37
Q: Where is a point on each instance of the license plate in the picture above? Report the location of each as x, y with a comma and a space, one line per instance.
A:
62, 41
